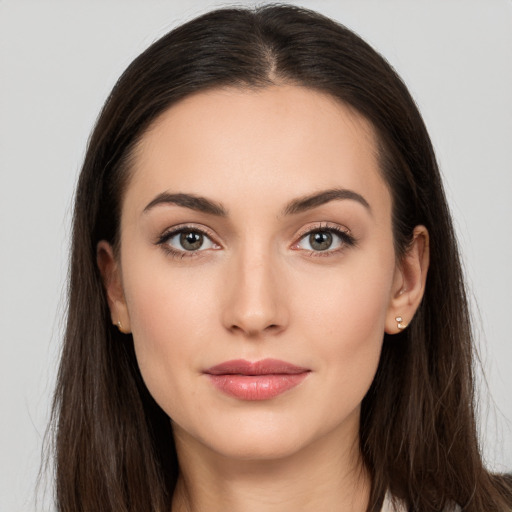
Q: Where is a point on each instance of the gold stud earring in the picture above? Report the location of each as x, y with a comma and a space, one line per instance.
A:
119, 325
400, 324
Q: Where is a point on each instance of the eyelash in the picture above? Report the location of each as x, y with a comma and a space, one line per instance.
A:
346, 240
180, 254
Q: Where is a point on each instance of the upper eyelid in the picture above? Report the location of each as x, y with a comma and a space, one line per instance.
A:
190, 227
164, 240
342, 232
321, 226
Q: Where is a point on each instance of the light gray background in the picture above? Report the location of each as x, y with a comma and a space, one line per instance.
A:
58, 61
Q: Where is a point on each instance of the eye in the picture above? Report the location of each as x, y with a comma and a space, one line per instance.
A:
326, 240
190, 241
186, 241
320, 240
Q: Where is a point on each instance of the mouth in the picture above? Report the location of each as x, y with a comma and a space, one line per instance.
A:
259, 380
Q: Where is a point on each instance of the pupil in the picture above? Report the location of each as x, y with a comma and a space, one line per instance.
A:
191, 241
321, 240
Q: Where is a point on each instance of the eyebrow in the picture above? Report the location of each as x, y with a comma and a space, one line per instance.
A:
309, 202
198, 203
299, 205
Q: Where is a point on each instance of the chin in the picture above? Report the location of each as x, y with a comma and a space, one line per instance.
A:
266, 437
258, 447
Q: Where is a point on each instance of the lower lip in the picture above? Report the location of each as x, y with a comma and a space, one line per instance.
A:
256, 387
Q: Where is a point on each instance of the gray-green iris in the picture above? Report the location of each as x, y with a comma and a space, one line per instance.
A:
321, 240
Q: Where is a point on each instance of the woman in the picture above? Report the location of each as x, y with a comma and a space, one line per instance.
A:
266, 304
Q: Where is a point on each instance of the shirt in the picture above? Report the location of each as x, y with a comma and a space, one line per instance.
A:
387, 506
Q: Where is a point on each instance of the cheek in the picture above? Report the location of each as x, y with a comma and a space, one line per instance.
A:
352, 298
169, 315
344, 317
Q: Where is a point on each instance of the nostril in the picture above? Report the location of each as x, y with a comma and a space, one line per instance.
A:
272, 328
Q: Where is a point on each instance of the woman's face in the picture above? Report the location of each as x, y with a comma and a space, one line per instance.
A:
256, 227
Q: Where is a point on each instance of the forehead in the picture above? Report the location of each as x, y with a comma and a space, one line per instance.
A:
279, 141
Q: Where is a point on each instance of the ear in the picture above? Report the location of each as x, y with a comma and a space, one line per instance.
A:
112, 282
409, 282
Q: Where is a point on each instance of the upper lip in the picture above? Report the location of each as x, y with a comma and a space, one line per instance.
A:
262, 367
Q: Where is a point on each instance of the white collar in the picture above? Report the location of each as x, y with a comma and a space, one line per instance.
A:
389, 506
397, 506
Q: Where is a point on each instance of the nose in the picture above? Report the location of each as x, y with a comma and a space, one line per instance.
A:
255, 296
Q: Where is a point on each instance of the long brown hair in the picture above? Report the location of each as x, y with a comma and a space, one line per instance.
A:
114, 445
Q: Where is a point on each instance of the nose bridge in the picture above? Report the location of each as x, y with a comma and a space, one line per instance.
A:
255, 303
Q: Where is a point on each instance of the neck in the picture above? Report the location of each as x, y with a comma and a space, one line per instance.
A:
316, 478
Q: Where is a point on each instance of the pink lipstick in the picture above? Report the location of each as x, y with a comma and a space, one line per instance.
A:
260, 380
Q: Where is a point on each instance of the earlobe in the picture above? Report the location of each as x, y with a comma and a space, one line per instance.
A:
409, 283
111, 276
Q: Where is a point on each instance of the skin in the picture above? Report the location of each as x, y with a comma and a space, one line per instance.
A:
258, 289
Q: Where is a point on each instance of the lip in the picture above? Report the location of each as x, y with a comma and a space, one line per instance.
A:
258, 380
